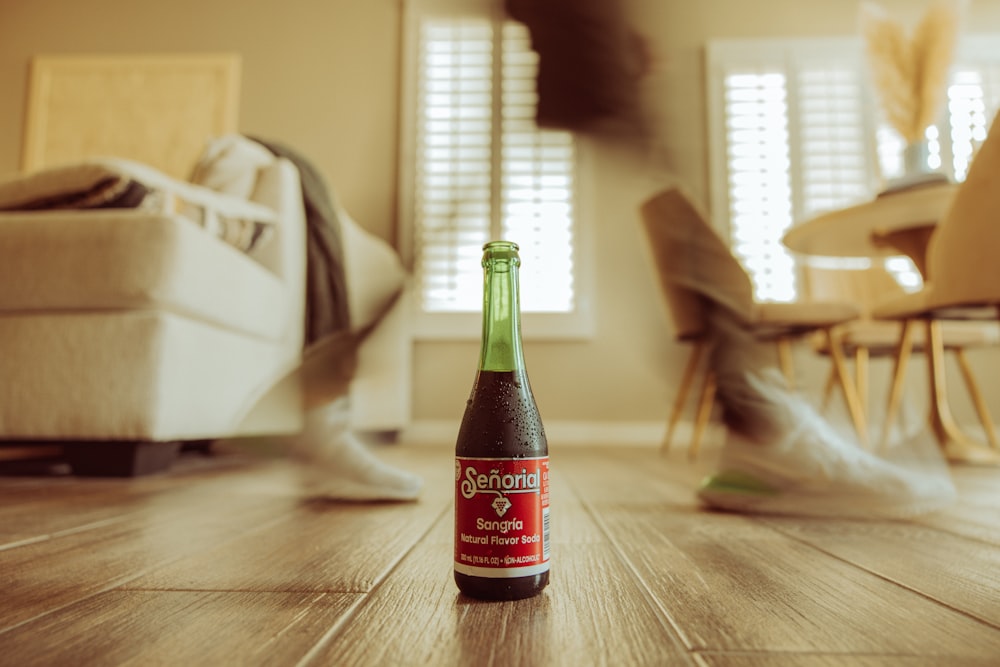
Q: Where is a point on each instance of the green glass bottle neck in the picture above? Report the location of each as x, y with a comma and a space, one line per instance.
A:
501, 342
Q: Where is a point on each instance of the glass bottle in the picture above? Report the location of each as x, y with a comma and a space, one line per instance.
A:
501, 456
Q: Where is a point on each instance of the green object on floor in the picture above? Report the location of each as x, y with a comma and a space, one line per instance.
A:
734, 481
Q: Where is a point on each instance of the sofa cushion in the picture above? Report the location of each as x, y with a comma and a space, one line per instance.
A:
122, 259
229, 165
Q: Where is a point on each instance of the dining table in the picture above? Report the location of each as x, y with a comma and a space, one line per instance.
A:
899, 221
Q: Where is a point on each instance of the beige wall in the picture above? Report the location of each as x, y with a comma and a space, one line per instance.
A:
319, 75
322, 75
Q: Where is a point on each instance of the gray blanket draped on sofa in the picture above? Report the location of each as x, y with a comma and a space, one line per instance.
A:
326, 284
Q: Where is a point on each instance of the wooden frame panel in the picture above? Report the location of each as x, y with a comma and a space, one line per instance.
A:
156, 109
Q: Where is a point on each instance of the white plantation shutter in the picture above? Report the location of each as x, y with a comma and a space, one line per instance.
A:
973, 99
809, 143
454, 163
796, 131
834, 137
480, 169
758, 178
537, 177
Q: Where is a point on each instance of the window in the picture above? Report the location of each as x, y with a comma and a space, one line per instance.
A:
795, 130
477, 168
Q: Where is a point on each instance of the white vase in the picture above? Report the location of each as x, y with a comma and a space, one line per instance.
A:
915, 159
915, 169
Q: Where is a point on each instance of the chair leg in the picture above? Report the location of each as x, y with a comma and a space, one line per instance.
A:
957, 446
854, 407
785, 359
831, 384
977, 398
903, 350
705, 403
694, 359
861, 375
861, 366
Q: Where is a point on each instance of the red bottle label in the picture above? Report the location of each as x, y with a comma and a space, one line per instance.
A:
501, 516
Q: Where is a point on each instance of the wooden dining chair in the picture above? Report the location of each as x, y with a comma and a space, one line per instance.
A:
962, 282
867, 339
696, 270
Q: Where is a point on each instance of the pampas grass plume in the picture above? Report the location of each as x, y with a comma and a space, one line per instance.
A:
910, 72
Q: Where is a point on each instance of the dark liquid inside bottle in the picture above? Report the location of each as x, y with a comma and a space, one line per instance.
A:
485, 588
501, 421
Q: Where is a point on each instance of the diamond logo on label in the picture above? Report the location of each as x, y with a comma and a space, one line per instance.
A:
501, 505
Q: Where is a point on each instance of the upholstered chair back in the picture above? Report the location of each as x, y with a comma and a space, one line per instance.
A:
693, 263
964, 252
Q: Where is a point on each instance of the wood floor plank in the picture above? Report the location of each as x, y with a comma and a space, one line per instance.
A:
223, 561
731, 583
30, 510
960, 573
33, 507
592, 613
37, 518
50, 573
973, 522
832, 660
177, 628
976, 514
978, 485
321, 546
571, 522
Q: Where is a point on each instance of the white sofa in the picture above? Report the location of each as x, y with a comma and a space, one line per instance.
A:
124, 332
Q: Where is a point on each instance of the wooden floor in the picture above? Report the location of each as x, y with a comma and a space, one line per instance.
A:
220, 562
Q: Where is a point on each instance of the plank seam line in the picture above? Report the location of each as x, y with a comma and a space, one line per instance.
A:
356, 606
664, 617
123, 581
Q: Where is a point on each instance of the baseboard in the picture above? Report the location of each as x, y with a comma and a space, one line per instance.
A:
576, 433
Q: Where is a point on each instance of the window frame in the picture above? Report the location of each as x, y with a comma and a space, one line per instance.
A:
577, 323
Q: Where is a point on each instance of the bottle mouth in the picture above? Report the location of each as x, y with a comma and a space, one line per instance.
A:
500, 254
501, 245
